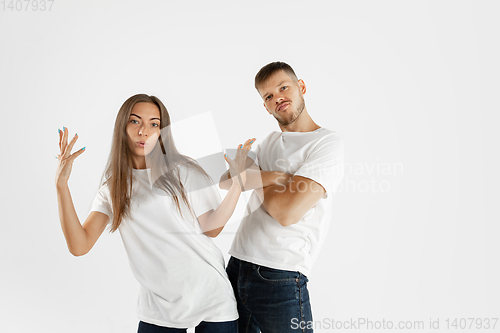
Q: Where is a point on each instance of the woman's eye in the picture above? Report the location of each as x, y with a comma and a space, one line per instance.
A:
155, 125
132, 121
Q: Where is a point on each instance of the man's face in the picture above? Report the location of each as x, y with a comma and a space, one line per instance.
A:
282, 97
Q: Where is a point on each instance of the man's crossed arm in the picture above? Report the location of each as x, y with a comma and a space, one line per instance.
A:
285, 197
289, 204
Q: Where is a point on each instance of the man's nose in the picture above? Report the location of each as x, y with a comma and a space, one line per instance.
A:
279, 98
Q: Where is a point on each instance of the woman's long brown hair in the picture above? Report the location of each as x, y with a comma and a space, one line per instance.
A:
164, 160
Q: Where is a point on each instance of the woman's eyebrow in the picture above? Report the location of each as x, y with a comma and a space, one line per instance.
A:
133, 114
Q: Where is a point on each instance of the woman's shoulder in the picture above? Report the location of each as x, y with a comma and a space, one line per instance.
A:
102, 195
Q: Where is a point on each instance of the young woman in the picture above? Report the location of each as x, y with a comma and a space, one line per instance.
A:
167, 210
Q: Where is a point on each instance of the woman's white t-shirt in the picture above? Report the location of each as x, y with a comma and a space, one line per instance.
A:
180, 270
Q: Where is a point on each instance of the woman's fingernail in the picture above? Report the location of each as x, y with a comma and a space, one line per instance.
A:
57, 158
76, 134
64, 128
251, 141
58, 130
84, 148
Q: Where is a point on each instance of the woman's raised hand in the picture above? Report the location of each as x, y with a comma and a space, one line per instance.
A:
65, 157
237, 167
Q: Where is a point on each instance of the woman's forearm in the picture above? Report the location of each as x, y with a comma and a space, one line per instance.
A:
75, 234
257, 179
216, 221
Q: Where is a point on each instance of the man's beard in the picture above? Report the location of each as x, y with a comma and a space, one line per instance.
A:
294, 115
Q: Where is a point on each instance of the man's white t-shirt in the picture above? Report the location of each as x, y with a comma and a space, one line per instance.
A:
260, 239
180, 270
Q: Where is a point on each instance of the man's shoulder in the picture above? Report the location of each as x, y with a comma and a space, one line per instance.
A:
269, 140
328, 135
321, 137
273, 136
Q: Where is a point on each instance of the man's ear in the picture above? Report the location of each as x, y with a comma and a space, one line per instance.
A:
266, 108
302, 86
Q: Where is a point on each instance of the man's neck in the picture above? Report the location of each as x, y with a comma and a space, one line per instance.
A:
303, 123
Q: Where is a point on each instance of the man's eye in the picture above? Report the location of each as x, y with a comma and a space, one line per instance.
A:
284, 87
268, 97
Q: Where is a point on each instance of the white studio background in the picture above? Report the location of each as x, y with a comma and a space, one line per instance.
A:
411, 85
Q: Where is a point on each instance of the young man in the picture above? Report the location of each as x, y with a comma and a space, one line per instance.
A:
277, 243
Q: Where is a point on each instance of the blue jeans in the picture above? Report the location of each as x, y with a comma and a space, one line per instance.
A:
203, 327
269, 300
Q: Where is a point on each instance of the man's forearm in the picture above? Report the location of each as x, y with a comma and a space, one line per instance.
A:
275, 203
288, 204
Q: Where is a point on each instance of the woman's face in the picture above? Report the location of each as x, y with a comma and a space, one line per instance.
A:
143, 130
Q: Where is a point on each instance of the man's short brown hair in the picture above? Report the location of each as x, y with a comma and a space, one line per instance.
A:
269, 69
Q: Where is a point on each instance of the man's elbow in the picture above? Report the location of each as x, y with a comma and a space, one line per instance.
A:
78, 252
282, 215
286, 219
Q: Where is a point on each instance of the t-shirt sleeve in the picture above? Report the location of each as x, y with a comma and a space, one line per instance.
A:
325, 163
102, 203
202, 193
